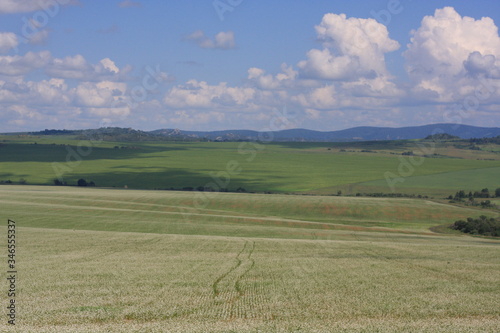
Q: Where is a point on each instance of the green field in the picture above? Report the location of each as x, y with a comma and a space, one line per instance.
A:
115, 260
321, 168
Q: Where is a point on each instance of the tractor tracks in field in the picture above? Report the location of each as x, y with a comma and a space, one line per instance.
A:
229, 282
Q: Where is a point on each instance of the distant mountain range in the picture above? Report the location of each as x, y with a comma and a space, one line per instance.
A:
364, 133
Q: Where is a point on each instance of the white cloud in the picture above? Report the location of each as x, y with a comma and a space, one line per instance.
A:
8, 41
21, 65
342, 83
281, 80
352, 58
77, 67
108, 65
449, 52
352, 48
199, 94
379, 87
222, 40
52, 93
101, 94
323, 98
25, 6
54, 99
487, 65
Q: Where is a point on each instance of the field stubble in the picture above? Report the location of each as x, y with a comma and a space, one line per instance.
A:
82, 270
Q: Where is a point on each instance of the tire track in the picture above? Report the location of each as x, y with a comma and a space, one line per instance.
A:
244, 264
249, 258
217, 281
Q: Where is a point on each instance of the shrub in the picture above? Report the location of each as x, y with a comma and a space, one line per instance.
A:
58, 182
481, 226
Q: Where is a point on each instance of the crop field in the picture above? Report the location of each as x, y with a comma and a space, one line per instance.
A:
321, 168
115, 260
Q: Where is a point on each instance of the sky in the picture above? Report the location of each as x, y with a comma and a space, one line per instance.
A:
248, 64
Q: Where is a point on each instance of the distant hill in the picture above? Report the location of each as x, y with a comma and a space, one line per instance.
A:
107, 134
364, 133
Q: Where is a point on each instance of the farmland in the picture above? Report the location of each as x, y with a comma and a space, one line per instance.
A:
320, 168
308, 251
115, 260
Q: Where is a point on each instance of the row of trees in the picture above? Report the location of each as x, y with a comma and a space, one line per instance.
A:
484, 193
205, 189
81, 182
21, 181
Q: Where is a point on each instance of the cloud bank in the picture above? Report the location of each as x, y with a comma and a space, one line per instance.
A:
449, 61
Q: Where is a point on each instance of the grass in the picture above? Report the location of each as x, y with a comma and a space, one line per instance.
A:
204, 213
275, 167
97, 260
464, 179
129, 282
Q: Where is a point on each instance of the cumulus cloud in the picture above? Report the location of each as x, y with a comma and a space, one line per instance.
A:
21, 65
352, 62
200, 94
267, 81
323, 98
477, 64
101, 94
352, 59
25, 6
352, 48
53, 100
449, 52
77, 67
8, 41
51, 92
222, 40
342, 83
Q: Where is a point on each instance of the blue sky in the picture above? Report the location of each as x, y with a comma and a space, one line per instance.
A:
241, 64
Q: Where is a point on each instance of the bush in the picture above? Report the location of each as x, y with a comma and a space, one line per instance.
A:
486, 204
58, 182
479, 226
82, 182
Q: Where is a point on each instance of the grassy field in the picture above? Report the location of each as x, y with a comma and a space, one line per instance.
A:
103, 260
322, 168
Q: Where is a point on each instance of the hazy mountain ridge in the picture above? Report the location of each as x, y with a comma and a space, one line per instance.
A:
363, 133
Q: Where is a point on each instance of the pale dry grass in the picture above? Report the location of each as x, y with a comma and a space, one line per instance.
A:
90, 281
